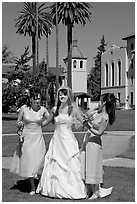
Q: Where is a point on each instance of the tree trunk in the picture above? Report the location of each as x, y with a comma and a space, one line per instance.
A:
37, 38
34, 54
69, 40
57, 50
47, 54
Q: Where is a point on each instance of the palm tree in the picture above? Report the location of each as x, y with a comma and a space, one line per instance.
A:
26, 24
70, 13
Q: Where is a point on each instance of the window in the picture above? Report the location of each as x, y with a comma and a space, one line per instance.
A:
131, 98
119, 97
74, 63
131, 80
81, 64
119, 72
132, 46
132, 63
106, 74
112, 73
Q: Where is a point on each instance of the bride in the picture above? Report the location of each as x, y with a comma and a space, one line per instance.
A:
61, 176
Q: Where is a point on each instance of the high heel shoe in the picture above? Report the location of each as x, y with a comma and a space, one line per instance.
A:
95, 195
32, 193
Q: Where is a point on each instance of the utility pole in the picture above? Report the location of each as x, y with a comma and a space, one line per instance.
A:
57, 75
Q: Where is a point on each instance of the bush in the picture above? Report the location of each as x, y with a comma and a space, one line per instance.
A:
14, 95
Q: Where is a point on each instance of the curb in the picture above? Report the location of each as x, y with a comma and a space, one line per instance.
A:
119, 162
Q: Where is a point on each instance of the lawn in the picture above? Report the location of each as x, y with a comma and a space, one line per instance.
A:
125, 121
122, 180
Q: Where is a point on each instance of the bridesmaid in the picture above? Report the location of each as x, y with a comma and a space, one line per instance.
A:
29, 155
91, 150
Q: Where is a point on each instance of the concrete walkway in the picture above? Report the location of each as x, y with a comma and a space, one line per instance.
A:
113, 162
114, 143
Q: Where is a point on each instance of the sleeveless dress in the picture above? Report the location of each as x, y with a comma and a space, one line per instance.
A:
91, 155
61, 177
29, 161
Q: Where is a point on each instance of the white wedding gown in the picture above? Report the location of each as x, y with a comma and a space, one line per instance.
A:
61, 177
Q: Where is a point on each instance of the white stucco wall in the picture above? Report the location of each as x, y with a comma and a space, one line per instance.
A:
79, 76
79, 82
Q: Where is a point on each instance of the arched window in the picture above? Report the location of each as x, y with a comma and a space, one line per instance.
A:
81, 64
112, 68
119, 73
74, 63
131, 80
106, 74
132, 46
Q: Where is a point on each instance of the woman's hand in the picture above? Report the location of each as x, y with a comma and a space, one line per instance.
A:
20, 124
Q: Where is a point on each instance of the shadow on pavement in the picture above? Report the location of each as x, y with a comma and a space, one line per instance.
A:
24, 185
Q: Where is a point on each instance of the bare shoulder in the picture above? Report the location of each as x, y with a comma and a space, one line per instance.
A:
105, 117
75, 107
43, 108
54, 109
23, 107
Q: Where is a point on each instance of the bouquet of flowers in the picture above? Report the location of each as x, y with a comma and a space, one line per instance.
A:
89, 117
21, 137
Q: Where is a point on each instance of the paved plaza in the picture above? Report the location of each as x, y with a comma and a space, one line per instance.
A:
114, 143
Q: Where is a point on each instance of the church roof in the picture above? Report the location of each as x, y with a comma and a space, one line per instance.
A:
9, 67
82, 95
76, 53
129, 36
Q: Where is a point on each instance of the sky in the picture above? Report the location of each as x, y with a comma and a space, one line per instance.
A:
114, 20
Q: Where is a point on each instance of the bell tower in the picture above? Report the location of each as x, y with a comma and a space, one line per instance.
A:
79, 69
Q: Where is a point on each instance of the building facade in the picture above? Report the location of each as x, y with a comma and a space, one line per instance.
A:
118, 72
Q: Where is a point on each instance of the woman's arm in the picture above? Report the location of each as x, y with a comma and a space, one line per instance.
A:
83, 146
46, 113
48, 120
97, 129
20, 118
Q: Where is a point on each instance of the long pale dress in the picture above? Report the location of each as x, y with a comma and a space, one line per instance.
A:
29, 161
61, 177
91, 155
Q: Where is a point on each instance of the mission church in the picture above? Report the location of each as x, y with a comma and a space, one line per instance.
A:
117, 73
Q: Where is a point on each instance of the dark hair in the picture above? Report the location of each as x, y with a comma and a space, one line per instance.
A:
33, 93
65, 92
110, 100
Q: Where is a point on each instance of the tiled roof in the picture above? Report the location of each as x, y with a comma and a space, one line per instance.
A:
11, 67
76, 53
81, 94
129, 36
